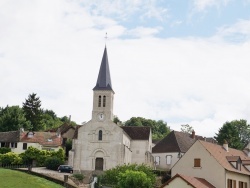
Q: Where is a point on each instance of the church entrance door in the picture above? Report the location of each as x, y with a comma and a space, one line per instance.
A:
99, 164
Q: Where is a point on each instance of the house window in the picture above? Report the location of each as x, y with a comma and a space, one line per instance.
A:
100, 135
13, 145
231, 183
104, 101
242, 184
2, 144
169, 159
157, 160
197, 162
24, 146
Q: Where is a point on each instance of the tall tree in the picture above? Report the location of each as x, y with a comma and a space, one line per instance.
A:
12, 118
33, 112
236, 133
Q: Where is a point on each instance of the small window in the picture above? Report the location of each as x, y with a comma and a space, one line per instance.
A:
100, 135
231, 183
104, 101
157, 160
24, 146
99, 101
242, 184
13, 145
197, 162
169, 159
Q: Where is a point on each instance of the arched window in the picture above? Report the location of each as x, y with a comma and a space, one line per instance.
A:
99, 101
104, 101
100, 135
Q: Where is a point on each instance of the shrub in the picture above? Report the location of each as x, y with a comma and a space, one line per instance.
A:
4, 150
52, 163
78, 176
134, 179
110, 177
10, 158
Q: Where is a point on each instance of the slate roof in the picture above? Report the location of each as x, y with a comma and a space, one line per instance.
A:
104, 79
137, 132
177, 141
11, 136
224, 157
43, 138
192, 181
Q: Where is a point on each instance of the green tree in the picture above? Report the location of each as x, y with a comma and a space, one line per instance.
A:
117, 120
13, 118
50, 120
134, 179
186, 128
33, 112
159, 128
236, 133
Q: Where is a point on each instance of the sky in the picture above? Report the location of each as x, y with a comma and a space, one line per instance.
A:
183, 62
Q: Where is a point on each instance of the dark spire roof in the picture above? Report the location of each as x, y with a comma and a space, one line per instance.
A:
104, 79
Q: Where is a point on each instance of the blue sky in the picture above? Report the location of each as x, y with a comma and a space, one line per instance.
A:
184, 62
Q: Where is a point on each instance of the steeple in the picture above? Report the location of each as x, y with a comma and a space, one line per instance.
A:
104, 79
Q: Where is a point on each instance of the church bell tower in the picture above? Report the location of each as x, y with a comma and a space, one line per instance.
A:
103, 94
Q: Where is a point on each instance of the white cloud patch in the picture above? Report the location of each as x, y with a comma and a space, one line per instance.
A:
237, 32
201, 5
142, 32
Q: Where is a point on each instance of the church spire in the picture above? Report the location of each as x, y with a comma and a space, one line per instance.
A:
104, 79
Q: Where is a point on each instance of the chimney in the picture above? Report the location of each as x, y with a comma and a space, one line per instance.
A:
225, 145
193, 134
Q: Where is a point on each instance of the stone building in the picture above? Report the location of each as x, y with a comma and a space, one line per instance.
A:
101, 144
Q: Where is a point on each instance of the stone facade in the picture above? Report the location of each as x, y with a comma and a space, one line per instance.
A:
100, 144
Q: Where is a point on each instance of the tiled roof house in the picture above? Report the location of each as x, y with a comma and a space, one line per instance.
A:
182, 181
171, 148
220, 165
19, 141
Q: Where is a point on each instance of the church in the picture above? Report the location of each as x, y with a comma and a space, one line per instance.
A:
101, 144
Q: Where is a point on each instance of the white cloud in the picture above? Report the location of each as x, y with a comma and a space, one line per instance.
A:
238, 32
142, 32
201, 5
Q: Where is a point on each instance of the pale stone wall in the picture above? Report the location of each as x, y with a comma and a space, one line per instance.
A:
208, 167
178, 182
139, 149
69, 134
163, 160
111, 148
238, 177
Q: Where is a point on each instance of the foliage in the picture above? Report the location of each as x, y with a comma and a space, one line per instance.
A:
68, 146
33, 111
50, 120
110, 176
133, 179
186, 128
13, 118
4, 150
236, 133
13, 178
10, 158
40, 156
159, 128
52, 163
78, 176
117, 120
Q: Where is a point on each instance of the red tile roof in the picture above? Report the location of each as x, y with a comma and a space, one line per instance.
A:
224, 157
43, 138
192, 181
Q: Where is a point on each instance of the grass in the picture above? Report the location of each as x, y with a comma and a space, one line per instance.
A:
12, 178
